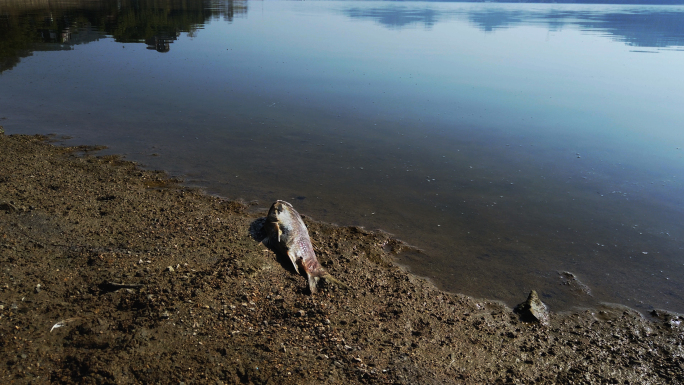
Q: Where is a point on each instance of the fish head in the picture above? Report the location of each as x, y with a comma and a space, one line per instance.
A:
282, 212
279, 219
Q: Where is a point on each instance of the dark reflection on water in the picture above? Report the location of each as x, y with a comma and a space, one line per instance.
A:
652, 29
636, 26
507, 156
47, 25
398, 16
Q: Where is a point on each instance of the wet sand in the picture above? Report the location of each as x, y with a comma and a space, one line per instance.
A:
115, 274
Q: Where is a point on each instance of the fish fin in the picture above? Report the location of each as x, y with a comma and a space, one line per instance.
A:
294, 260
280, 232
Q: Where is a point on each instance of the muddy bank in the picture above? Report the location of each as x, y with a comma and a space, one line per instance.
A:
113, 274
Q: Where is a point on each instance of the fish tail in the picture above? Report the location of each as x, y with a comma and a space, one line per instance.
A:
314, 279
329, 278
313, 283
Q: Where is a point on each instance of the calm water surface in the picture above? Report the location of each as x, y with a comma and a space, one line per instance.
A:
509, 142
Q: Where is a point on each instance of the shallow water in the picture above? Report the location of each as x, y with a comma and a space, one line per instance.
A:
510, 142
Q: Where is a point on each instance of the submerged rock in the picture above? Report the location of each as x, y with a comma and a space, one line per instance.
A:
533, 310
569, 279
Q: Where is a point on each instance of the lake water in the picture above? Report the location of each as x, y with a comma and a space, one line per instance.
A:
511, 143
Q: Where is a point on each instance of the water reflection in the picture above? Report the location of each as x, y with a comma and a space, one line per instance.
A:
59, 25
397, 16
161, 43
45, 25
641, 27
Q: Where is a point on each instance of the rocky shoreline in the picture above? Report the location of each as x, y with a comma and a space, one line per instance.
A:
114, 275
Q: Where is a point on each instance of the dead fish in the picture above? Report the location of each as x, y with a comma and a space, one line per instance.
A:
287, 234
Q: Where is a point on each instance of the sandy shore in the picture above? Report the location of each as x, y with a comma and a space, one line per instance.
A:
114, 274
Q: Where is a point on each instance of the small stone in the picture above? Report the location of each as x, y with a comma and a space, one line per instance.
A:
170, 269
37, 289
533, 310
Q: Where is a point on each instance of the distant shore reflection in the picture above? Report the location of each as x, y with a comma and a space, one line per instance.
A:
636, 26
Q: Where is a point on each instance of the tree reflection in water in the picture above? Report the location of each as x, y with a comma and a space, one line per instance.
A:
28, 26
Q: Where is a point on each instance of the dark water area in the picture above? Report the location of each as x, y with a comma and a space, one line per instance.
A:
519, 146
54, 25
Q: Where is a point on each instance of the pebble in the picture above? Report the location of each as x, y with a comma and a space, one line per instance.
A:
534, 309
